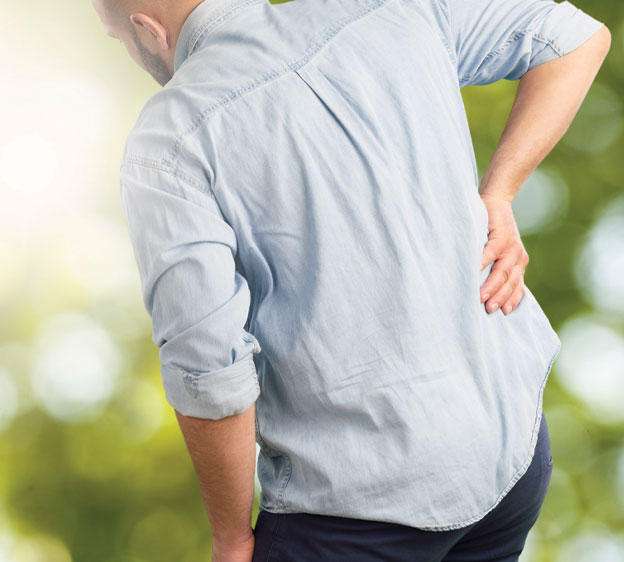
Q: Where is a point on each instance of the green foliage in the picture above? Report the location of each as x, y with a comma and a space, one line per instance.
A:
94, 467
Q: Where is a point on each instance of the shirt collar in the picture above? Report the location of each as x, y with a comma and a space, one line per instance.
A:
202, 19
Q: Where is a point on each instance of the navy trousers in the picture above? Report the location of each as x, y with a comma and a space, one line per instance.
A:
499, 536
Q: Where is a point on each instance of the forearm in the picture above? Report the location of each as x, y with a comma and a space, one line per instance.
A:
547, 99
224, 455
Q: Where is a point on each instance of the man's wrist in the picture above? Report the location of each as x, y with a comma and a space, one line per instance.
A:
496, 197
231, 537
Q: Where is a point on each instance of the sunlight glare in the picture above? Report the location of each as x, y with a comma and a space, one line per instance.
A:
591, 366
75, 368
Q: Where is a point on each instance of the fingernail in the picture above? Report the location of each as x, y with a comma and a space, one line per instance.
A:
507, 309
485, 297
494, 307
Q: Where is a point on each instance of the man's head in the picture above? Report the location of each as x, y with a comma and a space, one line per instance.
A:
148, 29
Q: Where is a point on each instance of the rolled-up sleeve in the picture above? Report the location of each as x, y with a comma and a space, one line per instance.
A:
496, 39
197, 300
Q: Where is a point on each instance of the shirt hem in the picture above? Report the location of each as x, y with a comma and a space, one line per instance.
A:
518, 474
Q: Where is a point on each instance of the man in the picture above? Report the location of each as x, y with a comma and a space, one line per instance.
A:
320, 261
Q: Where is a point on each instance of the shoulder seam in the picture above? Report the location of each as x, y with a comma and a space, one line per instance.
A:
550, 42
451, 51
169, 159
174, 171
515, 35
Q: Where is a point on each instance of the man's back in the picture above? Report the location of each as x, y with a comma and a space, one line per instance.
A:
308, 178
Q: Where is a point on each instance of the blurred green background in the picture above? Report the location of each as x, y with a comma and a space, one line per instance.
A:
93, 464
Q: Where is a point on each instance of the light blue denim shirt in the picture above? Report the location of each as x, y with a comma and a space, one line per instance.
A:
302, 203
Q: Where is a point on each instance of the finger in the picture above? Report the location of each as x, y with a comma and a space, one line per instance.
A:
507, 289
499, 275
512, 302
491, 251
513, 255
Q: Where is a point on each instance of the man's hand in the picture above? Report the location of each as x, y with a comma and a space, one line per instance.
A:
546, 101
240, 550
504, 286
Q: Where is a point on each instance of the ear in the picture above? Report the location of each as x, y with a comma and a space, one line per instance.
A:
156, 29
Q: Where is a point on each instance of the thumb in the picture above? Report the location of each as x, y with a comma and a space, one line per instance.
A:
491, 251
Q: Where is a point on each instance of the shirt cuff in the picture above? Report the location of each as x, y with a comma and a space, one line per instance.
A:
564, 29
212, 395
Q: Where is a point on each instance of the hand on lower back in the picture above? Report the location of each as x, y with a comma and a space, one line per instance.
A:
505, 283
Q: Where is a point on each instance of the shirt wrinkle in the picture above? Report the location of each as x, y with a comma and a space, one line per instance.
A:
315, 248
